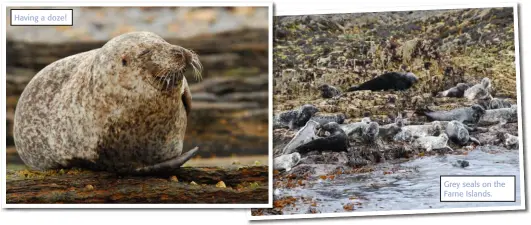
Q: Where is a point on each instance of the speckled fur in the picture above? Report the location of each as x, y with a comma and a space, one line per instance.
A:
103, 109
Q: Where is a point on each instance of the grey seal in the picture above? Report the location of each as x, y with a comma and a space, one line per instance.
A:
458, 133
455, 92
121, 108
479, 91
430, 143
498, 103
335, 141
324, 119
500, 116
286, 162
467, 115
329, 91
388, 81
511, 141
295, 119
408, 133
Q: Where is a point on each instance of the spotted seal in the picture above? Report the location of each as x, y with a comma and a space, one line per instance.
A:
388, 81
121, 108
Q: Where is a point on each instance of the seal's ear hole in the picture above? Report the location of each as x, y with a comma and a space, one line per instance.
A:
124, 60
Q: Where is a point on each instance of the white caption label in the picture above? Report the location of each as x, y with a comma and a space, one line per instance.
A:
41, 17
478, 188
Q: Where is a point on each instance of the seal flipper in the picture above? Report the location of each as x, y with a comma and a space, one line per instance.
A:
169, 165
474, 140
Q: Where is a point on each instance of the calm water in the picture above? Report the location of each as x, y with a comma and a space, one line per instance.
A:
412, 185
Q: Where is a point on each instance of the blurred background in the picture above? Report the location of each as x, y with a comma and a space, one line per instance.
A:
229, 121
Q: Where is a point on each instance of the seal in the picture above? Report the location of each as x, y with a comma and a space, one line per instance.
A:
324, 119
329, 91
511, 141
286, 162
430, 143
295, 119
408, 133
336, 141
458, 133
388, 131
388, 81
500, 116
498, 103
479, 91
355, 129
455, 92
370, 132
121, 108
467, 115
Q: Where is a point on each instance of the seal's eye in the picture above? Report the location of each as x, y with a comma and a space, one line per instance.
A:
124, 61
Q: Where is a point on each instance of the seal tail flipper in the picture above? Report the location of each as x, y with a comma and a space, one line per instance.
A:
475, 141
168, 166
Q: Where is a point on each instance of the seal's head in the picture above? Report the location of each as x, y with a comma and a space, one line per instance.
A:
411, 77
295, 158
444, 137
479, 110
486, 83
437, 127
341, 118
331, 127
462, 86
309, 110
371, 131
150, 58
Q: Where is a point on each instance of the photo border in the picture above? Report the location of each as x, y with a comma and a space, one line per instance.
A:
154, 3
349, 9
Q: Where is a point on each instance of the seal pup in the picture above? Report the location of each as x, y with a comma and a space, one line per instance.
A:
458, 133
294, 119
454, 92
500, 116
388, 81
468, 115
286, 162
322, 119
479, 91
336, 141
121, 108
410, 132
329, 91
430, 143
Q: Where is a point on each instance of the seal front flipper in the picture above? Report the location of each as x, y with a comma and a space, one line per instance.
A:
168, 166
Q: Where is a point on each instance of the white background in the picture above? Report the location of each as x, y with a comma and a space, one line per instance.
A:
239, 216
